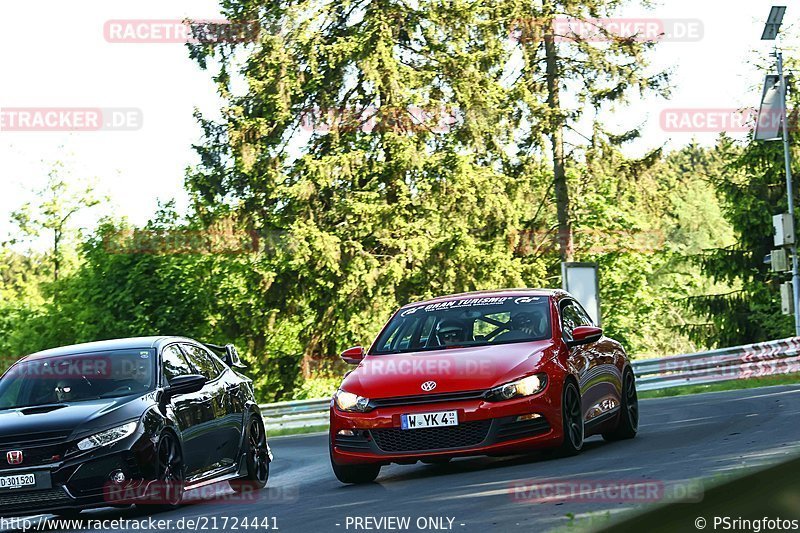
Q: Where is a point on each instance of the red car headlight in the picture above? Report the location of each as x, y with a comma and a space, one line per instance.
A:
527, 386
347, 401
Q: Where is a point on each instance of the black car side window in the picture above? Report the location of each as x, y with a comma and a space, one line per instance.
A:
202, 361
174, 363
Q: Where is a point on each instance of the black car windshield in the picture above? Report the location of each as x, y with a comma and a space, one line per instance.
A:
77, 378
476, 321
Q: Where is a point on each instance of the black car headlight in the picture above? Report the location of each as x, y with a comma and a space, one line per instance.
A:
347, 401
516, 389
109, 436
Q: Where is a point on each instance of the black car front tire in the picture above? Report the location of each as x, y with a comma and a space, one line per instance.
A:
256, 458
169, 473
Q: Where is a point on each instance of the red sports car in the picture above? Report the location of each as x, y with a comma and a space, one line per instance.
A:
482, 373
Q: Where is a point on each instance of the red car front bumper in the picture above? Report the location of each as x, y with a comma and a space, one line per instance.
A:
484, 428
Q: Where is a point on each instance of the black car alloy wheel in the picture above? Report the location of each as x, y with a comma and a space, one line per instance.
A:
170, 470
257, 457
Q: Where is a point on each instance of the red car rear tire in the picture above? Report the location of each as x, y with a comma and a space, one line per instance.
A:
629, 412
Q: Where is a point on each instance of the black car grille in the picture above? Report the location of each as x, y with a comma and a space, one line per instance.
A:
37, 448
428, 439
426, 398
521, 429
21, 501
33, 439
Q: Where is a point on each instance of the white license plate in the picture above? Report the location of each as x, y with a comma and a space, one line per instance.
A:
15, 482
429, 420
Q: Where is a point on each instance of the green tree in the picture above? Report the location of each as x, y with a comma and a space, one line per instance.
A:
50, 217
396, 189
752, 188
566, 73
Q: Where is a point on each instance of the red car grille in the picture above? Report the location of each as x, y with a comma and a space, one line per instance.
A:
429, 439
426, 398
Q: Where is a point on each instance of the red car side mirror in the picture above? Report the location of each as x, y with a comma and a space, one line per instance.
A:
585, 335
353, 356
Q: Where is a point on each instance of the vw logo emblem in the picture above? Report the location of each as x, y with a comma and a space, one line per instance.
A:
428, 386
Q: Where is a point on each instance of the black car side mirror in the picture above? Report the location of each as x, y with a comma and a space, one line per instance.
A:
185, 385
232, 357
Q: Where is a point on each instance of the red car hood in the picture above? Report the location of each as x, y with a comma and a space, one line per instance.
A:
453, 370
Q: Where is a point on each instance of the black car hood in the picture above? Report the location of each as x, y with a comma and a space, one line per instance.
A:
74, 419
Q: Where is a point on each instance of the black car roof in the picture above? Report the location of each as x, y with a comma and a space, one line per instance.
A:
108, 345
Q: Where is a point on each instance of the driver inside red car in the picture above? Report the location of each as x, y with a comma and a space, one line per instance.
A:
529, 323
450, 332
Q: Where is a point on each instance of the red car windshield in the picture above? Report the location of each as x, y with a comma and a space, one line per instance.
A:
475, 321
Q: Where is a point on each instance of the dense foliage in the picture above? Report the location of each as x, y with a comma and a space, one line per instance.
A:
366, 158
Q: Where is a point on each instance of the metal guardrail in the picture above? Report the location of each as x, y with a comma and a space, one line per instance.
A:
726, 364
296, 414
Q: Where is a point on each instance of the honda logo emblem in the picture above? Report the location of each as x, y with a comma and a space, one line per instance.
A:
14, 458
428, 386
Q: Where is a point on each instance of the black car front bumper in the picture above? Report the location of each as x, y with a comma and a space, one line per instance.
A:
80, 482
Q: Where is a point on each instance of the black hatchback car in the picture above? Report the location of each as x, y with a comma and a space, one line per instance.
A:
126, 421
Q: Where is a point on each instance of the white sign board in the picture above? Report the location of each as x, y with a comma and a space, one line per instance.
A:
580, 280
770, 113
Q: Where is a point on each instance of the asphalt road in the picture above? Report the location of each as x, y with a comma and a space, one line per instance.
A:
681, 441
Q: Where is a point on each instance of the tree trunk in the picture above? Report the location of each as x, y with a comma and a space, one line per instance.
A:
556, 134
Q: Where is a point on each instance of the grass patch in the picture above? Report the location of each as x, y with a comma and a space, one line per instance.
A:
295, 431
752, 383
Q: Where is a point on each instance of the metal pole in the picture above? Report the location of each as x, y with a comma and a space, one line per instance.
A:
787, 158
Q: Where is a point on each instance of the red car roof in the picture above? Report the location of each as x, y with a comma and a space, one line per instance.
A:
491, 293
